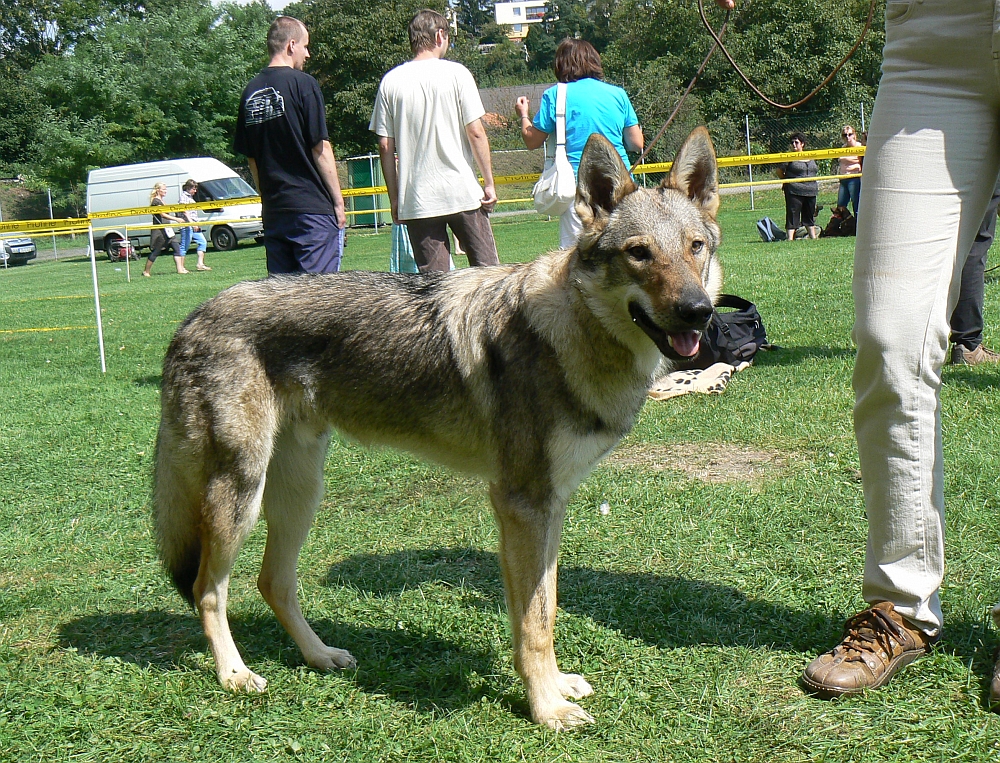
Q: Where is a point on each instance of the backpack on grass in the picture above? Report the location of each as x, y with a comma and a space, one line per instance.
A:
770, 231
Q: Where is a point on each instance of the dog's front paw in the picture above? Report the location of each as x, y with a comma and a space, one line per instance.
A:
331, 658
245, 681
563, 716
574, 685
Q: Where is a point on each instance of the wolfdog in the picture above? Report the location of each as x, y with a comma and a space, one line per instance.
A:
526, 375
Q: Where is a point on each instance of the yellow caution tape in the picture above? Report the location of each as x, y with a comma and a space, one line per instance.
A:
32, 331
32, 225
168, 208
80, 225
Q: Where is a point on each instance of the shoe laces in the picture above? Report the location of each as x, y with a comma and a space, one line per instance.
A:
872, 630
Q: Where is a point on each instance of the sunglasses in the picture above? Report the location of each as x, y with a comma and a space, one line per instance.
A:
846, 134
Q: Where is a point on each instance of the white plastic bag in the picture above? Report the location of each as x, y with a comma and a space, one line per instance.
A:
555, 190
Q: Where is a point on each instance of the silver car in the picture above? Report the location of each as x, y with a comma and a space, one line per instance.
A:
16, 251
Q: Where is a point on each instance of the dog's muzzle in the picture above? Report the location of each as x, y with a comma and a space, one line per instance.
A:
676, 345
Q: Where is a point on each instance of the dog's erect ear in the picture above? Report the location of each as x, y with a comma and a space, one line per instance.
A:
602, 181
695, 172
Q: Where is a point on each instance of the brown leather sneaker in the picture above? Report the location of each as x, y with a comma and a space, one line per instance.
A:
876, 644
960, 356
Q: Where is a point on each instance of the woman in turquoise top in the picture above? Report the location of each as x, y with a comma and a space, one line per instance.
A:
592, 106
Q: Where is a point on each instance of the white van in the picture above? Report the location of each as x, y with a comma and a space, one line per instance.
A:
130, 185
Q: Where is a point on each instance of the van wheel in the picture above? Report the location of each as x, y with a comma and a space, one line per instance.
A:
112, 246
223, 238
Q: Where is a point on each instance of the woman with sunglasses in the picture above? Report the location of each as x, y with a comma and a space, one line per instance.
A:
850, 188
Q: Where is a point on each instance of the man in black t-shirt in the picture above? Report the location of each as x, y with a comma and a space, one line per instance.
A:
281, 128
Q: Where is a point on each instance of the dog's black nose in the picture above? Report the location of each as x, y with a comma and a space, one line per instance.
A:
695, 309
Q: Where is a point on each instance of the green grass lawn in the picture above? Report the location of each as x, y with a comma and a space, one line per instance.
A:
692, 606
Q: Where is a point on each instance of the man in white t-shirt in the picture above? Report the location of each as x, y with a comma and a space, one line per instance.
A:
428, 114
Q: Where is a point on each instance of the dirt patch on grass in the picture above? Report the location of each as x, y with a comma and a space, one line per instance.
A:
705, 461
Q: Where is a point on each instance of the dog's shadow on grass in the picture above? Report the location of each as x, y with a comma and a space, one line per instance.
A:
664, 611
411, 666
152, 380
427, 671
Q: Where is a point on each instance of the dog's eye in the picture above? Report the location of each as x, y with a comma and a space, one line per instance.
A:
640, 253
697, 246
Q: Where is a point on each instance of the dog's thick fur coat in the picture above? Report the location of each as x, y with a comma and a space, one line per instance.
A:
526, 375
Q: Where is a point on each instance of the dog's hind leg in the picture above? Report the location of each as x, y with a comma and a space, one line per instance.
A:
232, 502
294, 490
529, 550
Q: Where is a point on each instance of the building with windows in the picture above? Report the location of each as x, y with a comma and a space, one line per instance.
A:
519, 15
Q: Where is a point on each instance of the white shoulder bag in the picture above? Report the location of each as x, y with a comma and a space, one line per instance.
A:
555, 190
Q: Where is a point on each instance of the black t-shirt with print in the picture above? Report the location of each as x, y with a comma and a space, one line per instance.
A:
282, 117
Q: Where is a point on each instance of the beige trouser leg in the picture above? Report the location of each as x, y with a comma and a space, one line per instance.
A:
932, 159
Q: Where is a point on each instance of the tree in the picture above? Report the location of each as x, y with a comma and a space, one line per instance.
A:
353, 44
473, 15
165, 85
33, 28
786, 47
541, 47
21, 113
588, 20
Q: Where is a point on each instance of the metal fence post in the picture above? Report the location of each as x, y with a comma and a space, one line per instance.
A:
97, 297
746, 120
55, 251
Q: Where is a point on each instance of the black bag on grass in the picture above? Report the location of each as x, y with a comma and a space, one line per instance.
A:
733, 336
770, 231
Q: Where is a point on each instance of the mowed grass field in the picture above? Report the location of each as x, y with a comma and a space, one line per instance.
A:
730, 555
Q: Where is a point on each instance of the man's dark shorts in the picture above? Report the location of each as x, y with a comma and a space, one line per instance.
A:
432, 247
300, 243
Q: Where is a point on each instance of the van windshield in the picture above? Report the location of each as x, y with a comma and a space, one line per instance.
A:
224, 188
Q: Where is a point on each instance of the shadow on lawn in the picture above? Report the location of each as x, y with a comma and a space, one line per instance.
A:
971, 377
419, 667
408, 665
666, 612
788, 355
152, 380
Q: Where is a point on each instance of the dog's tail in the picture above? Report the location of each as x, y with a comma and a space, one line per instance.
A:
176, 513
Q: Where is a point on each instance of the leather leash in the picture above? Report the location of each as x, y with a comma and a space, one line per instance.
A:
719, 45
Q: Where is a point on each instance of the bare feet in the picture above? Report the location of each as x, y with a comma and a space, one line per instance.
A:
146, 273
183, 272
204, 267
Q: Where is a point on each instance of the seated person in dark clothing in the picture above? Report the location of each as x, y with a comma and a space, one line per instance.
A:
842, 223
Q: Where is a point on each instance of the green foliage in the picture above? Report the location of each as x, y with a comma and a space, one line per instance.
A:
541, 47
786, 47
588, 20
21, 112
31, 29
353, 44
163, 86
473, 15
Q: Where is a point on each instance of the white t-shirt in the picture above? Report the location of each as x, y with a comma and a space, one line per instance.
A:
424, 106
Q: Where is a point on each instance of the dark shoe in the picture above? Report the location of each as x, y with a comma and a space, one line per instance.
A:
960, 356
876, 644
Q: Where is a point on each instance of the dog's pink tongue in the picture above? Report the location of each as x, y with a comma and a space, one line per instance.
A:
685, 342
